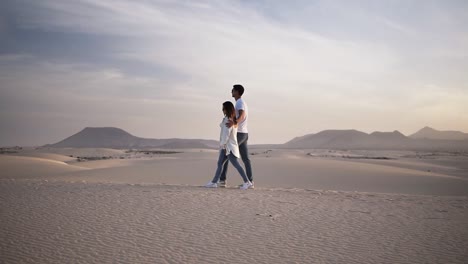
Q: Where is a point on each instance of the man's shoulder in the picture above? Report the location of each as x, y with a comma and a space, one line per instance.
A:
240, 102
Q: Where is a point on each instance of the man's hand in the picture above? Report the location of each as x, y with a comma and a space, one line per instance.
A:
229, 123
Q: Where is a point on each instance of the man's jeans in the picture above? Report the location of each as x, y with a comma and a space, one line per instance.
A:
242, 139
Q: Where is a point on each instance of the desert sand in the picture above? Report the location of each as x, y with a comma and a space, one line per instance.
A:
308, 206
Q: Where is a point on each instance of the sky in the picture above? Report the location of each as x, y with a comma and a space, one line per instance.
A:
162, 69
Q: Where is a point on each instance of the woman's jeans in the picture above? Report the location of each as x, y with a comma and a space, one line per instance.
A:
222, 160
242, 139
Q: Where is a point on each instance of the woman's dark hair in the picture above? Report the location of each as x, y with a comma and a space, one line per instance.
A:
239, 88
230, 111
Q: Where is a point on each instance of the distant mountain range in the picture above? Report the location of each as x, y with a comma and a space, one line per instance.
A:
430, 133
425, 139
111, 137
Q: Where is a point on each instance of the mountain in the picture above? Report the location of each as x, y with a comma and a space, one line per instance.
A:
346, 139
353, 139
430, 133
328, 139
425, 139
190, 143
389, 140
111, 137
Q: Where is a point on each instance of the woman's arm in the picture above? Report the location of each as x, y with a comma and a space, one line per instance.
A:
225, 133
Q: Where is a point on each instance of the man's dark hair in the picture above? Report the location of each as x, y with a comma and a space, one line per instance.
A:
239, 88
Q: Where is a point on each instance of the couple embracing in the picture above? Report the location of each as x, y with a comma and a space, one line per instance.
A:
233, 142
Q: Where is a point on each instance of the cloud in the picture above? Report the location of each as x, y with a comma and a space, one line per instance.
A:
8, 58
218, 43
58, 100
205, 36
334, 64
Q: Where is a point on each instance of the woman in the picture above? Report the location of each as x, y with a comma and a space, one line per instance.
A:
229, 149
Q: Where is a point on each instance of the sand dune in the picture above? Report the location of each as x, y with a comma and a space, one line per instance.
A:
273, 169
81, 152
108, 223
272, 172
150, 208
17, 167
48, 156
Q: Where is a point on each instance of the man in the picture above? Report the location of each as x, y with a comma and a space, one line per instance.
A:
242, 115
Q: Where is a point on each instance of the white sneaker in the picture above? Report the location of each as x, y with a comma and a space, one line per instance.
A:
246, 185
211, 185
251, 187
222, 184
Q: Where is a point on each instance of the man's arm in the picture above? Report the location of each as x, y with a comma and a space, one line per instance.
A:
241, 116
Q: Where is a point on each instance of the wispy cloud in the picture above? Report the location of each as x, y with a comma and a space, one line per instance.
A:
223, 36
311, 60
7, 58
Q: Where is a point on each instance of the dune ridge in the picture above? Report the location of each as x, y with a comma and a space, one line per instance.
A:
108, 223
309, 206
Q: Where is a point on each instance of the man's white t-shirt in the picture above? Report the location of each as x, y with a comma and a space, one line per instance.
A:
241, 105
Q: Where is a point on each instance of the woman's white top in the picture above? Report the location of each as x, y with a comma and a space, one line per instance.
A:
228, 138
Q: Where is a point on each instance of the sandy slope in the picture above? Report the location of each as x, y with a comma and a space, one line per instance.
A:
272, 169
15, 167
107, 223
305, 209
